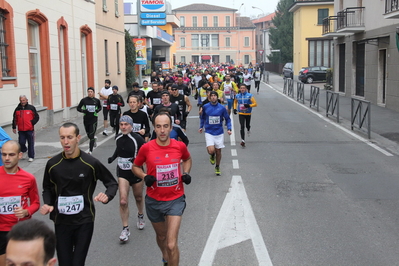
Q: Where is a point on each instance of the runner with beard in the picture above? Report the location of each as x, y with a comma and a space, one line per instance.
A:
229, 89
184, 104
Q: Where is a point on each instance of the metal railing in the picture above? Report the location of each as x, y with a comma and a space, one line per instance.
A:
332, 104
300, 92
329, 24
290, 89
285, 88
314, 97
360, 115
350, 17
391, 6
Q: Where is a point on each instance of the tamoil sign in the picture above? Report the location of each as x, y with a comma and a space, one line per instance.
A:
152, 6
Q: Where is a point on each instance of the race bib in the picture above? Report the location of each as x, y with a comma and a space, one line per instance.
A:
136, 127
125, 163
181, 91
105, 103
91, 108
8, 204
167, 175
114, 106
156, 101
214, 120
242, 107
70, 205
246, 80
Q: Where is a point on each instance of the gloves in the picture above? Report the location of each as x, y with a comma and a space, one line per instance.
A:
246, 105
108, 107
186, 178
110, 159
120, 104
149, 180
235, 111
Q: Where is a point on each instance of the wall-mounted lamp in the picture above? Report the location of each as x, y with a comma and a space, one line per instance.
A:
229, 31
184, 31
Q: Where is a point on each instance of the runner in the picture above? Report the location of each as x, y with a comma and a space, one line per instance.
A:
183, 102
104, 93
257, 77
19, 197
90, 107
230, 89
68, 186
165, 199
154, 97
174, 108
247, 79
114, 104
211, 118
244, 102
141, 124
128, 144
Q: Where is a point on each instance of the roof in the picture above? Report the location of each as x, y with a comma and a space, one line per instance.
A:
245, 22
298, 3
203, 7
265, 18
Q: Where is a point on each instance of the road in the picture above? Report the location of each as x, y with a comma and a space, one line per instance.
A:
303, 192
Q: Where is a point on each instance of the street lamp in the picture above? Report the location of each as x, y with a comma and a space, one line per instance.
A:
239, 24
263, 13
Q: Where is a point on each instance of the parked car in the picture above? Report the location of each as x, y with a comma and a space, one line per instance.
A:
311, 74
288, 70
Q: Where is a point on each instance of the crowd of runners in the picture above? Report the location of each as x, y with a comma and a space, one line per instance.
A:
156, 156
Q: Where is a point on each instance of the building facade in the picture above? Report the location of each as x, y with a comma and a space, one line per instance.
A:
210, 33
262, 37
366, 61
310, 47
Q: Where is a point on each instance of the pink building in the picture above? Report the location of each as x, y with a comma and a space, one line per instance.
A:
216, 34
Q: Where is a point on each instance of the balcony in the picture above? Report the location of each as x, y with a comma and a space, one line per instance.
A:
330, 27
391, 9
351, 20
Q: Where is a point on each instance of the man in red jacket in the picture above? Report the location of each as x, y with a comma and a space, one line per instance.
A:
25, 117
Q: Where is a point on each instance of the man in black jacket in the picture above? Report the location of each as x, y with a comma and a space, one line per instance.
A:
114, 104
69, 183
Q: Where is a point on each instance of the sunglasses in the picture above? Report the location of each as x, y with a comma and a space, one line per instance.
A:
174, 89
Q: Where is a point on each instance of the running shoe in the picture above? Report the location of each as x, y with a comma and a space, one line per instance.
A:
217, 170
30, 160
95, 142
89, 153
242, 144
165, 263
212, 159
124, 235
249, 133
105, 133
140, 222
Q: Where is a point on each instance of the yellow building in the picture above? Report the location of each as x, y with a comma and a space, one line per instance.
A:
310, 48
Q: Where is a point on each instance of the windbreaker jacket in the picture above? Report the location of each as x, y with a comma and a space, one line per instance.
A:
25, 117
243, 98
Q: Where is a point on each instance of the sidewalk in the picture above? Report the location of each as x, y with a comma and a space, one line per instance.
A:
384, 122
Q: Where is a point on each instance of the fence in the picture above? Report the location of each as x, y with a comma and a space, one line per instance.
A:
359, 115
300, 93
332, 104
314, 97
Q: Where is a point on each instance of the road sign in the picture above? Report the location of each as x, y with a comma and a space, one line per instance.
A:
152, 15
261, 52
153, 22
152, 6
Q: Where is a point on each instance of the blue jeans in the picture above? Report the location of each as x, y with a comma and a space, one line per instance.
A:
29, 136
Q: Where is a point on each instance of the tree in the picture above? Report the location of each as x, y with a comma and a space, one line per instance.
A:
130, 56
281, 37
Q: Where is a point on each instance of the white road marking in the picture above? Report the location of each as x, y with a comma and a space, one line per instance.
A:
235, 164
337, 125
234, 224
233, 135
111, 135
233, 152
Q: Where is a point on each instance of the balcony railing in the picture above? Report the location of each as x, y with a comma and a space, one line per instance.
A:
350, 18
329, 24
391, 6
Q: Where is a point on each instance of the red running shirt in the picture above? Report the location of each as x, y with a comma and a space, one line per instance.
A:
163, 162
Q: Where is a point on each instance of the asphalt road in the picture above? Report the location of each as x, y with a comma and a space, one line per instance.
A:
303, 192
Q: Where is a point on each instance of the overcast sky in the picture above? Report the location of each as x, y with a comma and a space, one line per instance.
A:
266, 6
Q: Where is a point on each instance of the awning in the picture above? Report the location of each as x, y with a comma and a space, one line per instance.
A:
206, 57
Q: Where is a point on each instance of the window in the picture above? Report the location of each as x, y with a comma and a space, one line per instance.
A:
118, 66
195, 40
246, 59
182, 22
227, 59
183, 59
34, 63
7, 45
261, 39
195, 23
205, 40
228, 42
204, 21
320, 53
64, 63
87, 58
215, 40
116, 8
182, 42
246, 41
105, 6
106, 57
256, 37
227, 21
215, 21
321, 14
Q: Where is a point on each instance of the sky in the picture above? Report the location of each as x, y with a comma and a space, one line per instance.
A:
265, 6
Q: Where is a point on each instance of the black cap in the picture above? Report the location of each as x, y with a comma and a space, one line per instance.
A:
165, 92
115, 88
